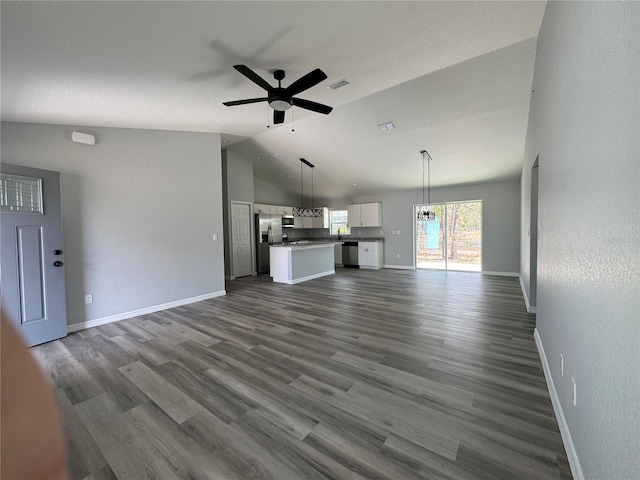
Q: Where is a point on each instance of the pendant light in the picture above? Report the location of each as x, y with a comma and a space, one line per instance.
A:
311, 166
425, 214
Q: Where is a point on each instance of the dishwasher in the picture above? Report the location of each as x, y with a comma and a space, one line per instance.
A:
350, 254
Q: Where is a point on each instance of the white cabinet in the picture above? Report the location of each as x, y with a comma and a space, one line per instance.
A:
370, 255
303, 222
353, 216
365, 215
272, 209
261, 208
312, 218
371, 214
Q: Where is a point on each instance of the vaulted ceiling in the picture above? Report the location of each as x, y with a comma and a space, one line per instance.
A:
453, 77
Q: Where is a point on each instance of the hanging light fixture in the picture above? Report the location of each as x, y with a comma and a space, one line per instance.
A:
311, 166
425, 214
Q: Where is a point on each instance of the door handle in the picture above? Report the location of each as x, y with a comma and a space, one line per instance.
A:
57, 263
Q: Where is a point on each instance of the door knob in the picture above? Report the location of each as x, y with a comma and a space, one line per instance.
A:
57, 252
57, 263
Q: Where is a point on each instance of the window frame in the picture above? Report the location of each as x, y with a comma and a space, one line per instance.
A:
344, 224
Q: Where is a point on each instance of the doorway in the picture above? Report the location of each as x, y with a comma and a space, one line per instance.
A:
533, 239
451, 239
241, 239
33, 284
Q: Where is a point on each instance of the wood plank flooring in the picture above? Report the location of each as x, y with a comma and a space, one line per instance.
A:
386, 375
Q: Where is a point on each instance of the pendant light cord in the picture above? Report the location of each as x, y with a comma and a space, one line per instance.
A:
423, 178
429, 179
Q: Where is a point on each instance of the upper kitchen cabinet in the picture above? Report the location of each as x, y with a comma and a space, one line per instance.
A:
262, 208
272, 209
308, 217
285, 210
364, 215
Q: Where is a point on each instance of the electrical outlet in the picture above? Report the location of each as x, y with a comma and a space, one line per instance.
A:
88, 298
215, 237
561, 365
397, 255
575, 391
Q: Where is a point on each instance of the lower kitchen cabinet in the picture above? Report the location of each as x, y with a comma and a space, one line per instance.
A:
370, 255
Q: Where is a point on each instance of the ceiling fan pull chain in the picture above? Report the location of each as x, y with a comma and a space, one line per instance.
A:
268, 126
292, 129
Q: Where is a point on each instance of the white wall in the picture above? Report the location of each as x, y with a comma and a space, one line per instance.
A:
139, 211
585, 126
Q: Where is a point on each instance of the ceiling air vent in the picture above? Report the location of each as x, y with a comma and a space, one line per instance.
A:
337, 85
383, 127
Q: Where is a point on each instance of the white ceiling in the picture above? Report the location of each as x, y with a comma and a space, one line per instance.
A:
454, 77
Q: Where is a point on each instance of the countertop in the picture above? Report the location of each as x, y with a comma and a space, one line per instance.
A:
335, 239
306, 245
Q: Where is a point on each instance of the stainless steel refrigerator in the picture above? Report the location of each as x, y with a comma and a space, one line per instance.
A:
268, 232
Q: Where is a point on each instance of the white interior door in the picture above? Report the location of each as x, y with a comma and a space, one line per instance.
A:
32, 265
241, 239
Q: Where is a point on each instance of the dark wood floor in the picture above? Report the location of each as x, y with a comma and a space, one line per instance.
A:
384, 374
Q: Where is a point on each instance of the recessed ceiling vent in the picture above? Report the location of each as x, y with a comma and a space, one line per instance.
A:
337, 85
383, 127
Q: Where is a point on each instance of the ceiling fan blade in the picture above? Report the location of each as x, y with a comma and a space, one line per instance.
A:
308, 81
313, 106
278, 116
245, 101
253, 76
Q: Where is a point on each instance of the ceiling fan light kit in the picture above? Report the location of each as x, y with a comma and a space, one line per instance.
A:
282, 99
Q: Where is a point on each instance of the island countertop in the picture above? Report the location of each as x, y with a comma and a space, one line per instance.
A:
307, 244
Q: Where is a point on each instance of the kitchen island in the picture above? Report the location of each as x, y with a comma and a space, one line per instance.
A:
295, 263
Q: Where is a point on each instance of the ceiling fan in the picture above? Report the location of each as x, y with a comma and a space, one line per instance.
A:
281, 99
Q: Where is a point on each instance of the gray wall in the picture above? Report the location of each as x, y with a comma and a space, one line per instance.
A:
271, 195
139, 212
238, 187
500, 222
585, 126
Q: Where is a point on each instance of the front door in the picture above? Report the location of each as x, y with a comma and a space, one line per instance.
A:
241, 239
32, 271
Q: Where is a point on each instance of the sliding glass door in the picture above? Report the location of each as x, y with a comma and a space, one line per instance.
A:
451, 238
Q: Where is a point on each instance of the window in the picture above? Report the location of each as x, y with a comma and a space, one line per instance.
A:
339, 225
20, 194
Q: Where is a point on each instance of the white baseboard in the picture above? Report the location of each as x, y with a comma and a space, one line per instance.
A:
400, 267
229, 277
572, 455
500, 274
530, 309
310, 277
143, 311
